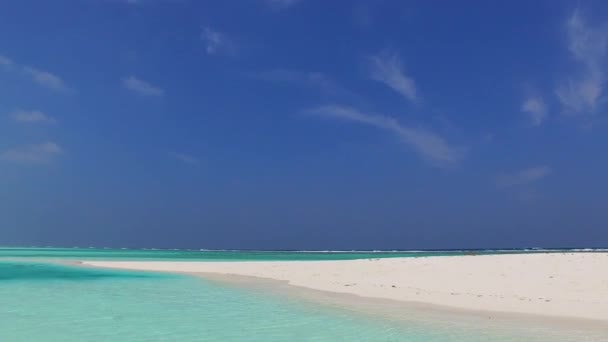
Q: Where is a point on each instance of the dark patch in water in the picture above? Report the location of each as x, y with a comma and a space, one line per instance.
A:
10, 271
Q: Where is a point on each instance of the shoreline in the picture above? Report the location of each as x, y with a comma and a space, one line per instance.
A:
489, 287
408, 311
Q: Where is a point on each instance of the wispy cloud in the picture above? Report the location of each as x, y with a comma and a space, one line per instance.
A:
146, 2
311, 79
185, 158
30, 116
523, 177
386, 68
46, 79
142, 87
41, 77
217, 42
536, 110
428, 145
5, 61
281, 4
582, 91
362, 14
32, 154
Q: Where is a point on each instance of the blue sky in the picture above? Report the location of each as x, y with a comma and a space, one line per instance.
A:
303, 124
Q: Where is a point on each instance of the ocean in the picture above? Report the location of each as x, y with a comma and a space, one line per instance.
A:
43, 300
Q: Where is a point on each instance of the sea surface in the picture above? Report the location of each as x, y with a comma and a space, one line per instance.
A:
77, 253
42, 299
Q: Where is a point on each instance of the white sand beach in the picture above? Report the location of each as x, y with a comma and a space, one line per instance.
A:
560, 285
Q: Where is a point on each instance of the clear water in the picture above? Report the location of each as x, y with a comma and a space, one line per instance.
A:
40, 301
131, 254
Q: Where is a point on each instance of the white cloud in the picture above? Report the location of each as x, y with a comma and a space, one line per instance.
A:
523, 177
536, 110
582, 92
185, 158
311, 79
31, 116
281, 4
46, 79
141, 87
387, 68
217, 42
430, 146
32, 154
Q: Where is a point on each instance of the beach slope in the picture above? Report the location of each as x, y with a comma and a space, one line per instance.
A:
568, 285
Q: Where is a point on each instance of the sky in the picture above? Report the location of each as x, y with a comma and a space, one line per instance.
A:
303, 124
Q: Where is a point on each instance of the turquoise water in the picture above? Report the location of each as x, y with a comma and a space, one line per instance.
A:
41, 301
127, 254
130, 254
44, 302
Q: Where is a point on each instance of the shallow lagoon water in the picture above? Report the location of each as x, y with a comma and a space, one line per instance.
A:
43, 302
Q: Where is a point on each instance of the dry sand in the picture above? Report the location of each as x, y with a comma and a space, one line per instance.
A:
559, 285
